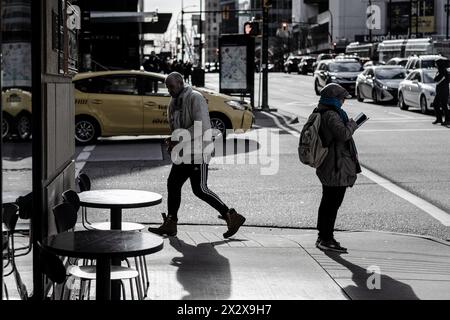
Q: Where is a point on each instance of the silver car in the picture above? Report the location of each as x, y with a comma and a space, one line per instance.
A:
417, 90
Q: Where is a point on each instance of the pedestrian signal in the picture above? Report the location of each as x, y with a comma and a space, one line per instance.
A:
251, 28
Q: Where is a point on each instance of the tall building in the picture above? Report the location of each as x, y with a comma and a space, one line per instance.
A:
319, 24
212, 30
111, 33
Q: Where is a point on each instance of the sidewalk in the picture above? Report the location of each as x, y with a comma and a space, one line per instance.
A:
277, 264
283, 264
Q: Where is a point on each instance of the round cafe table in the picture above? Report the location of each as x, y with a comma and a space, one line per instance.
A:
103, 246
118, 199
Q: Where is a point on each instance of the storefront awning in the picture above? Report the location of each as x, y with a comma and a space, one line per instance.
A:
151, 22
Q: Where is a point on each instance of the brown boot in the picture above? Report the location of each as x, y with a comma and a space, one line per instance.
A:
234, 222
169, 227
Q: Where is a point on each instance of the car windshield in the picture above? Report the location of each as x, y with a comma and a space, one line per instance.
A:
393, 74
402, 63
426, 64
345, 67
428, 76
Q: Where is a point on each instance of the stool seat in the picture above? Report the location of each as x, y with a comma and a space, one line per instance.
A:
88, 272
126, 226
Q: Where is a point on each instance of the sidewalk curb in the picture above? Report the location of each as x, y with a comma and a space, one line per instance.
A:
430, 238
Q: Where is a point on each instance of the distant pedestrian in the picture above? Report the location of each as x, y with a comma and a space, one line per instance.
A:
187, 69
188, 111
440, 103
153, 64
340, 167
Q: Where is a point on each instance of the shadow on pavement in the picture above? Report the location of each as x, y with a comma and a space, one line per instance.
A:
389, 288
202, 271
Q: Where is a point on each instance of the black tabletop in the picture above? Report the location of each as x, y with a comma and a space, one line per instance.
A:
117, 198
94, 244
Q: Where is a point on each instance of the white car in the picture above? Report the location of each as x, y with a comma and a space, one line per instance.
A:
417, 90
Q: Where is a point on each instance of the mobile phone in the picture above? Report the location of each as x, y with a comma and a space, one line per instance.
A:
360, 119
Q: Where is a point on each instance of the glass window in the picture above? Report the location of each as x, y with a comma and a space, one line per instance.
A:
427, 64
345, 67
428, 76
152, 87
384, 74
124, 85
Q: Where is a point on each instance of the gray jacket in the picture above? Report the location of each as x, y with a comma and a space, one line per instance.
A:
187, 111
341, 165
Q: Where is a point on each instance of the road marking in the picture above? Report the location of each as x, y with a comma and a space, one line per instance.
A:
82, 158
437, 213
399, 130
440, 215
401, 115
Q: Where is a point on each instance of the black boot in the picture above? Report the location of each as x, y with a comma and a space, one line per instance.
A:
437, 121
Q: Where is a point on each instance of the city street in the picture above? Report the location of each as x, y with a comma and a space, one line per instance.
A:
404, 186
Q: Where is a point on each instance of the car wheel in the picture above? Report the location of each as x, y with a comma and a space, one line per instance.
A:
86, 130
401, 102
24, 127
6, 127
358, 95
316, 88
218, 124
374, 96
423, 105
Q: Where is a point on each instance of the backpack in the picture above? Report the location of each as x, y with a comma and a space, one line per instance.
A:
310, 148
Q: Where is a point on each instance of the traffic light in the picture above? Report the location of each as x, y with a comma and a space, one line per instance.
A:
267, 3
251, 28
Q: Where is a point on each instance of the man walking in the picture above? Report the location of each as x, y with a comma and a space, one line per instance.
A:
189, 117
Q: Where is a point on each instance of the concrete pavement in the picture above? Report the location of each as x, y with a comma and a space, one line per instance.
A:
284, 264
273, 264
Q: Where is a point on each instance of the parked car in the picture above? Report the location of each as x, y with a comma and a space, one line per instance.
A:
16, 105
321, 57
422, 62
112, 103
417, 90
306, 65
291, 64
397, 62
379, 83
342, 71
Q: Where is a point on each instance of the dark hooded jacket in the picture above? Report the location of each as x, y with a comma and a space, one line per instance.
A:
442, 80
341, 165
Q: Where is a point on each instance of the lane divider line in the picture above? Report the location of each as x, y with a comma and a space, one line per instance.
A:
440, 215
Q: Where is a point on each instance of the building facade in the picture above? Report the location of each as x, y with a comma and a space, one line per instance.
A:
212, 30
323, 25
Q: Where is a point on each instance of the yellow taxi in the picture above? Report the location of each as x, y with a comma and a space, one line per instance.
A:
16, 113
113, 103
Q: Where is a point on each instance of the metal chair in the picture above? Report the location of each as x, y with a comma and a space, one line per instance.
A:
10, 218
70, 196
25, 204
65, 218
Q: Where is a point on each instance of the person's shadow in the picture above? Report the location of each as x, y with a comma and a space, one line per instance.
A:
202, 271
372, 284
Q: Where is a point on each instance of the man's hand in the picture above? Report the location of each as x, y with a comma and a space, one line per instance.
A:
170, 144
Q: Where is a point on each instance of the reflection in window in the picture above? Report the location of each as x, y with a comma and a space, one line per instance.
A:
16, 109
